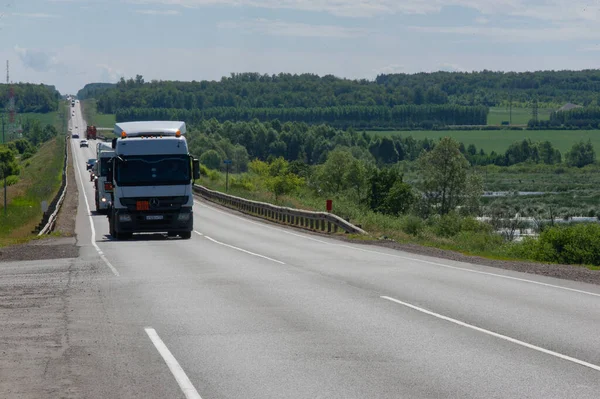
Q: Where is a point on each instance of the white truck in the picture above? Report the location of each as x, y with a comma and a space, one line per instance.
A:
103, 181
153, 173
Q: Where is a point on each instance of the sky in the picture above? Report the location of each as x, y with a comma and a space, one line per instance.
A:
68, 43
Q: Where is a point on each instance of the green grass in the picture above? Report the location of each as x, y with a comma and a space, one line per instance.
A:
499, 140
39, 180
520, 116
92, 117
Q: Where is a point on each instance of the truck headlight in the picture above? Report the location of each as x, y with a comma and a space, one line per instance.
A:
124, 218
103, 199
184, 217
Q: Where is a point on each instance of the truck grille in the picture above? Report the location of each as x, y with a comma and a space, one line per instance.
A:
156, 203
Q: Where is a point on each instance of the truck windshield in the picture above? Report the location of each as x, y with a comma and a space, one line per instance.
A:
144, 170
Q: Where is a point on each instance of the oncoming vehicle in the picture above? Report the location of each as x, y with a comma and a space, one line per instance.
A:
152, 176
75, 135
83, 143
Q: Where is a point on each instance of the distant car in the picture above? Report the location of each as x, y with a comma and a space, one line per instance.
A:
75, 135
90, 163
83, 143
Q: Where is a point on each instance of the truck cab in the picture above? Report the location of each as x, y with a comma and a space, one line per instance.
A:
103, 172
153, 174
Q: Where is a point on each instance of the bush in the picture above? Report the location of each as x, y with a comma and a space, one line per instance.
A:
448, 225
11, 180
574, 244
412, 225
243, 183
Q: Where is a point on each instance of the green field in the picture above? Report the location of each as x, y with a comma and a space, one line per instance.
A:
499, 140
520, 116
92, 117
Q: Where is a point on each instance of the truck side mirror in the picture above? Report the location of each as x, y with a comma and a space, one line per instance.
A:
114, 143
196, 164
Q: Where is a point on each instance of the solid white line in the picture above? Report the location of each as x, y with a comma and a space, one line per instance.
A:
112, 268
182, 379
239, 249
475, 271
493, 334
409, 258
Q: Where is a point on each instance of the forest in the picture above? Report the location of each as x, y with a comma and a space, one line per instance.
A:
31, 97
253, 90
399, 116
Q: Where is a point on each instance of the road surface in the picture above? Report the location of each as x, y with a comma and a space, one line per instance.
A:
251, 310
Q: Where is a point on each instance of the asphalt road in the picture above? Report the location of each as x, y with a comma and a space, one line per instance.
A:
251, 310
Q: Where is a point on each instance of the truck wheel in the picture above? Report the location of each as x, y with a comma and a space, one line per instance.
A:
186, 235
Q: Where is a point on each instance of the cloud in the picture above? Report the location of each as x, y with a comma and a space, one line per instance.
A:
554, 33
553, 10
39, 60
283, 28
35, 15
482, 20
110, 74
158, 12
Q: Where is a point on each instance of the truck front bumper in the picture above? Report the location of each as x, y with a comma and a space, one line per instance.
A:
153, 222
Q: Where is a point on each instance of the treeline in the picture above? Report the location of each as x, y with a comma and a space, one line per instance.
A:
309, 144
588, 117
31, 97
93, 90
400, 116
254, 90
493, 88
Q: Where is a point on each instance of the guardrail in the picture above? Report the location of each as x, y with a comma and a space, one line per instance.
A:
49, 218
316, 221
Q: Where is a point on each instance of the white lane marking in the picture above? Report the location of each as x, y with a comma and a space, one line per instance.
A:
182, 379
476, 271
239, 249
409, 258
493, 334
112, 268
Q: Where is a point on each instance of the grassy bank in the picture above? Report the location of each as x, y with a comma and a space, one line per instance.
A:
39, 181
92, 117
499, 140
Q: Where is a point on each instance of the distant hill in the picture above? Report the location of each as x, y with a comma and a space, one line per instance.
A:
94, 90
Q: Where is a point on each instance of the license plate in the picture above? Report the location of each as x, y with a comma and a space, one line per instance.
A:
154, 217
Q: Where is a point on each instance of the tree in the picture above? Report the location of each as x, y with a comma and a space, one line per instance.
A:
211, 159
581, 154
443, 172
473, 193
239, 158
399, 199
355, 177
332, 173
284, 184
8, 163
381, 182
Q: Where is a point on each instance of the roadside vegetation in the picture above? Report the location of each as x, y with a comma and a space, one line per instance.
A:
33, 166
